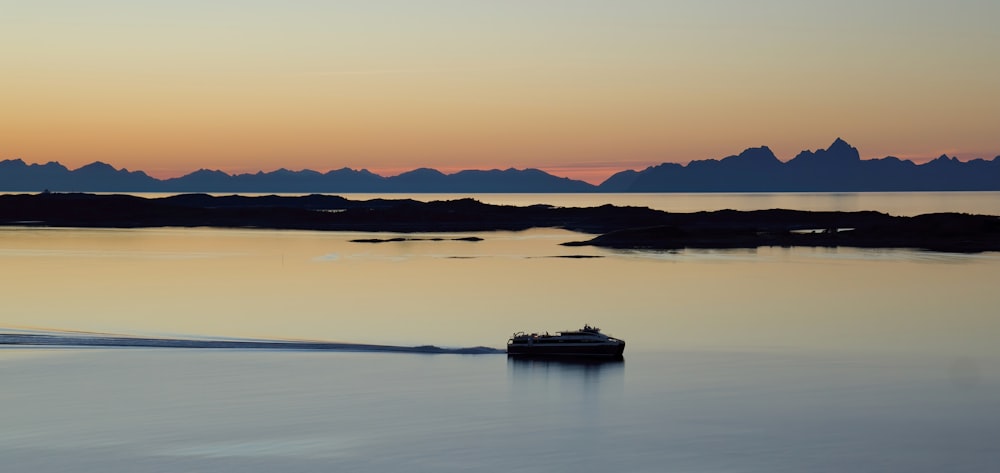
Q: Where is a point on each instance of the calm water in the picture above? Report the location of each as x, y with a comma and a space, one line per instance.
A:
767, 360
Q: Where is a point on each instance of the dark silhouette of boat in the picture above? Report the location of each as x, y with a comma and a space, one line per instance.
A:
584, 343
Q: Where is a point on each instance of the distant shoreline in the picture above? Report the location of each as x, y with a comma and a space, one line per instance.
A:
616, 227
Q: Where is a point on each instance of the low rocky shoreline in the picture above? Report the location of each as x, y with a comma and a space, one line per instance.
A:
616, 227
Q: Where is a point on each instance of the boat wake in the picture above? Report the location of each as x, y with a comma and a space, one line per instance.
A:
78, 339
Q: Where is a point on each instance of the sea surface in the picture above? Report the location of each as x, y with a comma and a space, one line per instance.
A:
774, 359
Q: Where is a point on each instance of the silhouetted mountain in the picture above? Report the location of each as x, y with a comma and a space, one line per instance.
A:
512, 180
838, 168
620, 182
421, 180
15, 175
750, 171
281, 180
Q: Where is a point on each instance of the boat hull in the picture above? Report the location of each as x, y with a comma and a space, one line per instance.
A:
557, 350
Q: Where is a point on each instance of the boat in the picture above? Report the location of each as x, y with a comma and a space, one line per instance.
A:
586, 342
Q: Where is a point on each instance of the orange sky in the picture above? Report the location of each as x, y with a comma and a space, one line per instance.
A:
578, 89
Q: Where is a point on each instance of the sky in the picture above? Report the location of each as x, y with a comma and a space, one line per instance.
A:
575, 87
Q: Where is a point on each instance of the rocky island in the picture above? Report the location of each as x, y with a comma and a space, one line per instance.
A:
614, 226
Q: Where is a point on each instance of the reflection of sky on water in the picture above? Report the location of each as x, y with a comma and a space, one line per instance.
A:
112, 254
526, 372
572, 402
314, 285
782, 360
153, 410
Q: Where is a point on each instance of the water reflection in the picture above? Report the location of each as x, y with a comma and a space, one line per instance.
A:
568, 362
312, 285
570, 403
588, 373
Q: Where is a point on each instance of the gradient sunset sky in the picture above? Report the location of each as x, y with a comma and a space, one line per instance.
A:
578, 88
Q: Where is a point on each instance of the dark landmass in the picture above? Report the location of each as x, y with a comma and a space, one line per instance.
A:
401, 239
619, 227
838, 168
313, 212
946, 232
77, 340
574, 256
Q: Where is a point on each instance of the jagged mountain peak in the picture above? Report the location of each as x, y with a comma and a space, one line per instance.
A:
944, 160
51, 165
839, 143
101, 168
348, 171
839, 152
759, 155
98, 166
13, 162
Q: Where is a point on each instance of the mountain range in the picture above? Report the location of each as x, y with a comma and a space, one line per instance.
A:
838, 168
